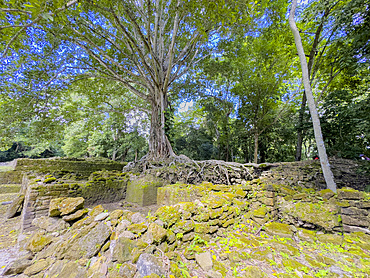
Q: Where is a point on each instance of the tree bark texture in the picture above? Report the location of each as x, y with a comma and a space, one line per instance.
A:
256, 136
300, 135
328, 175
159, 145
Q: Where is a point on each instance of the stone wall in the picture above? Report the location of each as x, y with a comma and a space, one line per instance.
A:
308, 174
101, 187
217, 206
61, 166
271, 195
354, 210
306, 208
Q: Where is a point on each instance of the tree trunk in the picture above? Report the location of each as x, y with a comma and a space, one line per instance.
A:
328, 175
255, 160
159, 145
298, 155
311, 59
114, 153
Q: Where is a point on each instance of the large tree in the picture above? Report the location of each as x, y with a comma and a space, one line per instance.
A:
143, 45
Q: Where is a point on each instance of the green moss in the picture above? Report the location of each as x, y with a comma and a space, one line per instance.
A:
183, 226
215, 203
293, 264
137, 228
215, 213
168, 214
50, 179
330, 238
280, 229
306, 235
322, 215
260, 212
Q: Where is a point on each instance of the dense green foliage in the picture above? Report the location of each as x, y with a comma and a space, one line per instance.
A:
77, 88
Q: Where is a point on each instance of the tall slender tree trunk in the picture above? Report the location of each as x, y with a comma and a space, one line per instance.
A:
311, 59
300, 135
159, 145
256, 135
328, 175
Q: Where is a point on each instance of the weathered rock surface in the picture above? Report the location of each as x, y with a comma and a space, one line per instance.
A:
38, 242
87, 242
15, 206
75, 216
101, 216
50, 224
204, 260
17, 266
64, 206
148, 265
128, 270
123, 249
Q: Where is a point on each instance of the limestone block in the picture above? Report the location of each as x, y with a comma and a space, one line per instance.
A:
355, 221
204, 260
148, 264
354, 211
15, 206
349, 194
143, 191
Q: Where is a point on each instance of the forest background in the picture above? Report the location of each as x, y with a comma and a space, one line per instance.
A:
239, 96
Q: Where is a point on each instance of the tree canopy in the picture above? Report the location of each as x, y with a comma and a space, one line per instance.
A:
109, 78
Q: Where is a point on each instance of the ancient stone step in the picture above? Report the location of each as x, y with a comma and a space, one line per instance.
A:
9, 188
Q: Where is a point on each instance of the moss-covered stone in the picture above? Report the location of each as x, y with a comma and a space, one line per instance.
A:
171, 236
242, 205
38, 242
215, 213
279, 229
349, 194
36, 267
202, 215
322, 215
299, 196
228, 222
71, 205
116, 214
158, 233
137, 228
122, 252
330, 238
183, 226
201, 228
187, 206
168, 214
76, 215
326, 194
240, 193
261, 255
143, 191
253, 272
286, 191
260, 212
214, 203
49, 180
293, 264
220, 267
306, 235
175, 270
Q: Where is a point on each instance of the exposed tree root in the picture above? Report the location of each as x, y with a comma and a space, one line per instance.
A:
180, 168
